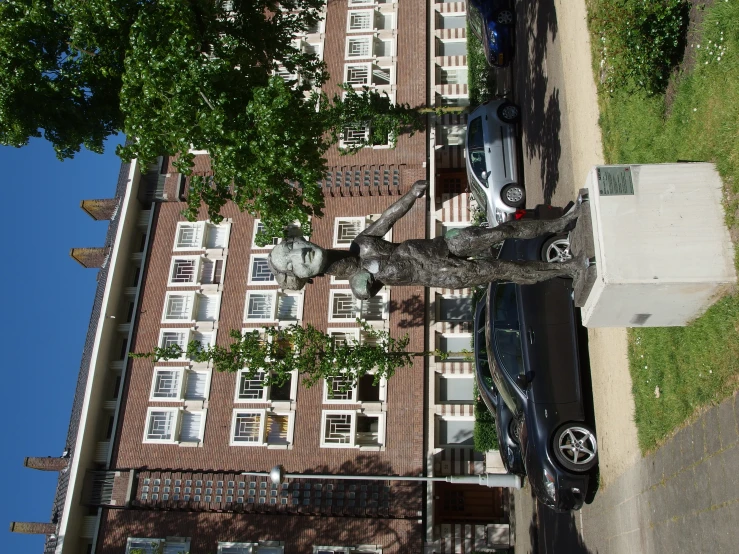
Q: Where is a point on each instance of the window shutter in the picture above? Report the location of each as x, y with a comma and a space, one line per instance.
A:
196, 382
455, 309
207, 308
191, 427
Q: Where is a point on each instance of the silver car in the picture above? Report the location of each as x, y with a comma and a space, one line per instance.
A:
492, 166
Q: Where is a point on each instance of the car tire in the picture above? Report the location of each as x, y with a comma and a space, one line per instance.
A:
513, 195
504, 17
514, 430
575, 447
556, 250
509, 113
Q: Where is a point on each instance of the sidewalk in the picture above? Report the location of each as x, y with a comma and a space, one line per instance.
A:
682, 498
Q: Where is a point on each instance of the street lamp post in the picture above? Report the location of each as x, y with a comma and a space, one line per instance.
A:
507, 480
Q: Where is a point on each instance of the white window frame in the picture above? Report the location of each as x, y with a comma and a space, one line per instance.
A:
358, 549
184, 376
159, 544
362, 220
449, 377
369, 39
204, 227
366, 65
249, 547
372, 27
177, 427
385, 294
275, 240
452, 130
263, 415
189, 336
381, 417
441, 337
194, 300
134, 543
198, 267
275, 295
456, 69
355, 392
266, 396
437, 430
252, 262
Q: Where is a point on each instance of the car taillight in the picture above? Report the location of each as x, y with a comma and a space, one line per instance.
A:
520, 213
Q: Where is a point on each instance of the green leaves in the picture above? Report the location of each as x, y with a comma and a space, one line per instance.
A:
314, 354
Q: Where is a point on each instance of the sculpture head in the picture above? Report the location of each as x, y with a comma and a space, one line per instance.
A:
295, 260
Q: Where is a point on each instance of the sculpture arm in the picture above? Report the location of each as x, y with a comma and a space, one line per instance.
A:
397, 210
363, 284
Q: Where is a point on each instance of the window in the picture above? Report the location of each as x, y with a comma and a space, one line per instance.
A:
172, 545
172, 425
272, 305
359, 47
264, 547
362, 549
343, 306
195, 270
451, 21
262, 428
185, 307
200, 235
360, 20
454, 308
251, 388
453, 135
456, 389
352, 429
451, 48
456, 431
366, 390
182, 337
259, 271
458, 347
453, 76
346, 229
177, 384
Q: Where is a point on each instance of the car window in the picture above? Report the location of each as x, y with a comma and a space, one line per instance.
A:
508, 346
482, 359
477, 161
475, 140
475, 19
504, 303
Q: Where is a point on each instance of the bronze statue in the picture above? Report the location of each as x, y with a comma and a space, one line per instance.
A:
444, 262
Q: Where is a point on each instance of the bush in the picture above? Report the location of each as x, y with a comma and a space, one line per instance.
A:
640, 41
480, 79
485, 434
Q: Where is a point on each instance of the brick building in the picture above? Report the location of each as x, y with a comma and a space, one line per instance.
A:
155, 452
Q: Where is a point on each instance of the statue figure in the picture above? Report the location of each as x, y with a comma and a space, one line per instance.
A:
444, 262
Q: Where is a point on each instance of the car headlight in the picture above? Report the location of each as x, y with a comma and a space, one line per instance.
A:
500, 216
550, 485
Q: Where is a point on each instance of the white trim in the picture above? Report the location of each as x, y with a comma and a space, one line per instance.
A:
266, 392
180, 371
367, 14
191, 300
264, 293
262, 435
178, 414
196, 273
348, 296
202, 230
353, 220
190, 335
275, 240
352, 442
442, 336
252, 260
437, 431
363, 53
437, 305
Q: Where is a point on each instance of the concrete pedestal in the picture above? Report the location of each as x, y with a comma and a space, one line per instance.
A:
663, 253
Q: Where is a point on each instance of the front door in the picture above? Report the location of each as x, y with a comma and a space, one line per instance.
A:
457, 503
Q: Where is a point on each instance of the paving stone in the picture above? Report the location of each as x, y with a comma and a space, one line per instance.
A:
699, 447
727, 423
712, 433
717, 480
730, 458
711, 540
671, 458
726, 527
684, 438
701, 494
655, 470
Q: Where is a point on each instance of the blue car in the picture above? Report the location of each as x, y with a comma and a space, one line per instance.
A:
492, 22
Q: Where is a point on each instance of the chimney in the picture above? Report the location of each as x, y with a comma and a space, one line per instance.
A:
100, 210
31, 528
46, 464
90, 257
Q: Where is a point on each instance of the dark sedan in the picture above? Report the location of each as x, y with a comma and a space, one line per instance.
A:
506, 425
533, 352
492, 22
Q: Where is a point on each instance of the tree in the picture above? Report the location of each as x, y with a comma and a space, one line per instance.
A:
314, 354
177, 75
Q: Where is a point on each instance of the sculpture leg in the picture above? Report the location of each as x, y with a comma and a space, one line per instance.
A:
469, 241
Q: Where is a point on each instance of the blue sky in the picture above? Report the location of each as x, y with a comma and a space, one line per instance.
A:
48, 298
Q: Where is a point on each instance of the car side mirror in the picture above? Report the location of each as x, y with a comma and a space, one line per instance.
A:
523, 380
484, 175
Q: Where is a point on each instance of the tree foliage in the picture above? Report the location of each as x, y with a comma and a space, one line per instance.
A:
182, 75
277, 351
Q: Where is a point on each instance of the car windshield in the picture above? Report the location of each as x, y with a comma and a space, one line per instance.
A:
483, 369
477, 161
508, 346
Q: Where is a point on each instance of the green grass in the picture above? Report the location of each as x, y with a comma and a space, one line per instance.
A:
696, 365
485, 434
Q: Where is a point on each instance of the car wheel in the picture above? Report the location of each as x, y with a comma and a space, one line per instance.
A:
556, 250
504, 17
509, 113
575, 447
513, 195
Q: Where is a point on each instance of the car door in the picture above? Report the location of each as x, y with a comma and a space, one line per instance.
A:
505, 341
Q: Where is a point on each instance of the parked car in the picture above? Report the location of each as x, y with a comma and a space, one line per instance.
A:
534, 358
506, 425
492, 160
492, 22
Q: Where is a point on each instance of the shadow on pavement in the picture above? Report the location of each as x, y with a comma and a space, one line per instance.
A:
542, 118
551, 532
